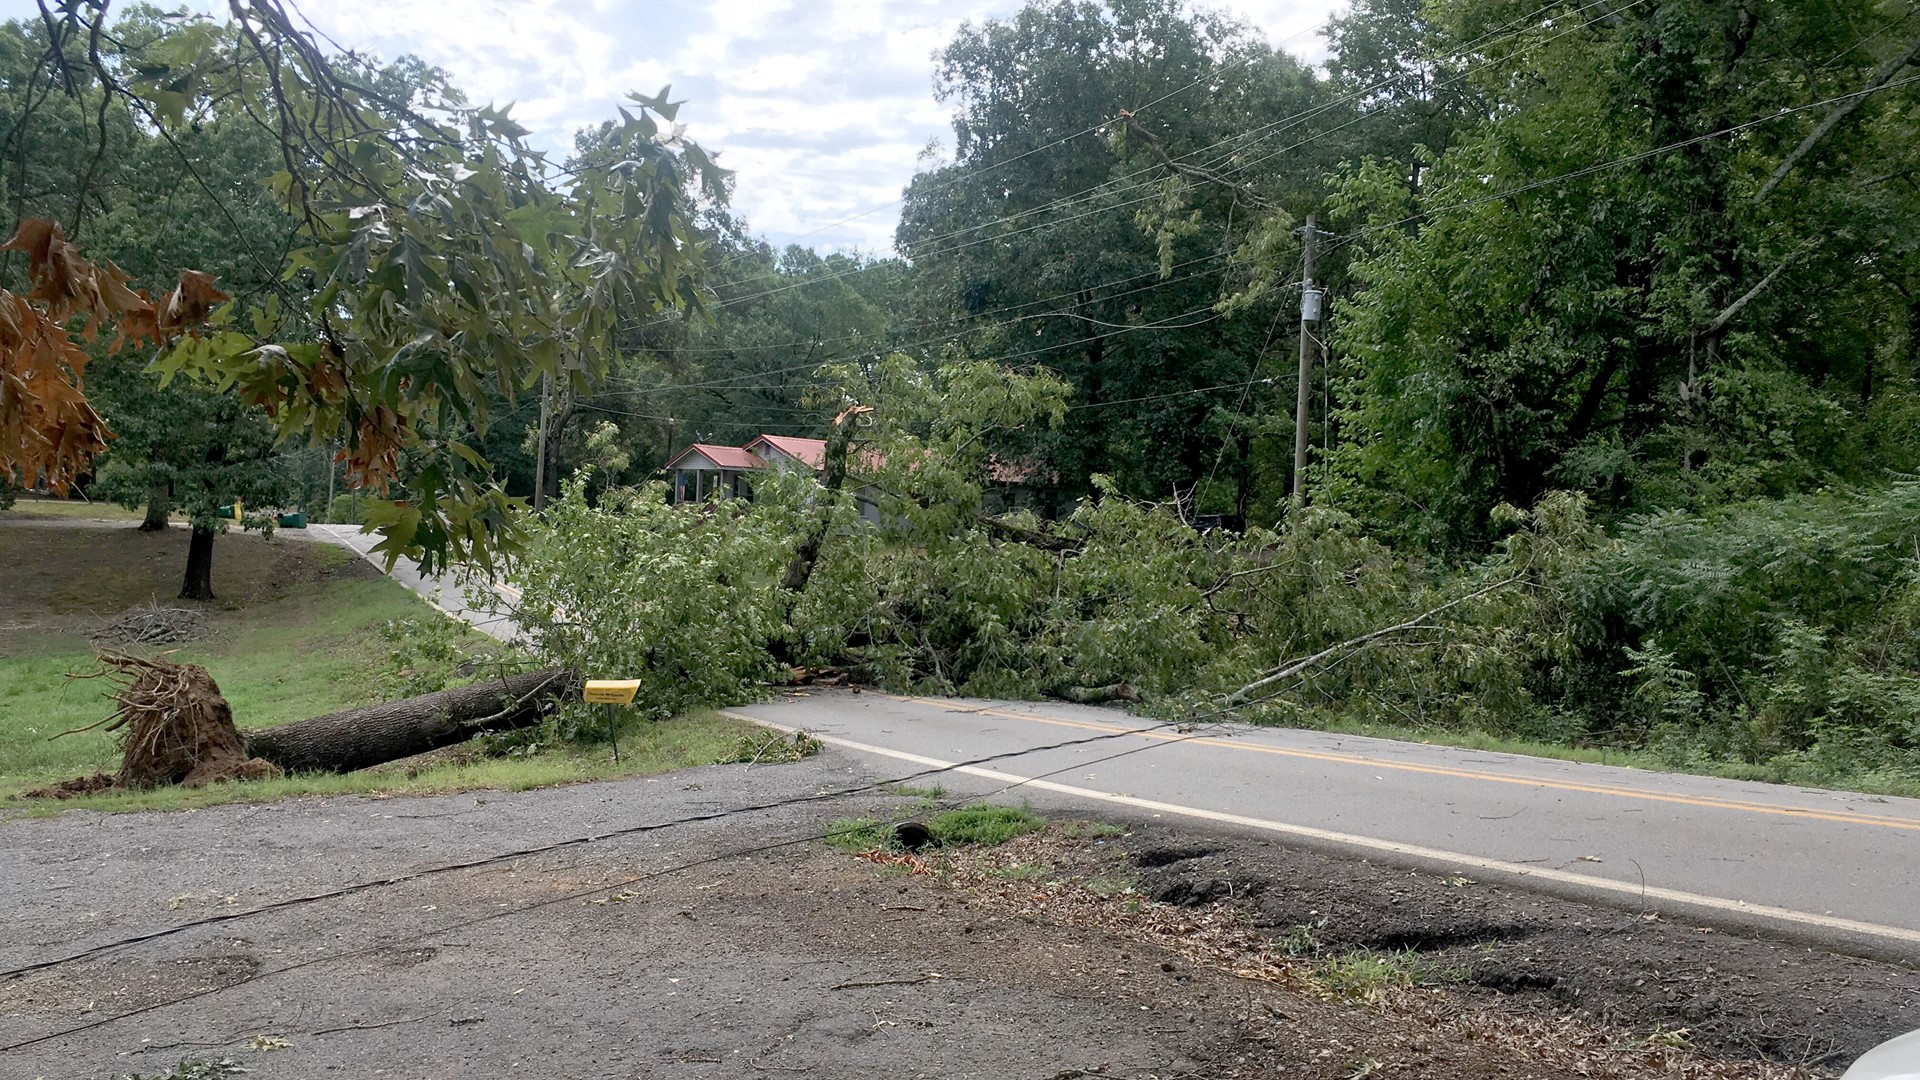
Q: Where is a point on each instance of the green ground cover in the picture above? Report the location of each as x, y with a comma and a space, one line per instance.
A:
300, 628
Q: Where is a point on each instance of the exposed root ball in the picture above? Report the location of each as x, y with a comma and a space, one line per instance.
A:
173, 726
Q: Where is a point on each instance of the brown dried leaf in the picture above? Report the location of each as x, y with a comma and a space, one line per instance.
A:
190, 302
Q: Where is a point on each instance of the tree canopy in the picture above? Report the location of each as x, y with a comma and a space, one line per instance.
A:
438, 260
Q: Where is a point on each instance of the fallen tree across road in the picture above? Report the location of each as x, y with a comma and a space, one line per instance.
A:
375, 734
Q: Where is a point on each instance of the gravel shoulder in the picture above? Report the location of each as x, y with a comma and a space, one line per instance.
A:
741, 946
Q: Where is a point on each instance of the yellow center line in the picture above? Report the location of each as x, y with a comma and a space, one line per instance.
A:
1738, 912
1442, 770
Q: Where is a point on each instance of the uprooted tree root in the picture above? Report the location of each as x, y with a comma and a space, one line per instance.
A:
173, 727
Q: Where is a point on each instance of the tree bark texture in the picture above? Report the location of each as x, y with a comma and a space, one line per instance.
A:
159, 502
560, 412
361, 738
199, 581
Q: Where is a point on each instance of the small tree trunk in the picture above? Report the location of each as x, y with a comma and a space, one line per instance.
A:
199, 581
560, 411
159, 502
360, 738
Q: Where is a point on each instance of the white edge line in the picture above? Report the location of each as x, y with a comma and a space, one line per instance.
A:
1477, 862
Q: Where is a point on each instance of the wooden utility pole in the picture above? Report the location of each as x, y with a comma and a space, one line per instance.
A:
1309, 320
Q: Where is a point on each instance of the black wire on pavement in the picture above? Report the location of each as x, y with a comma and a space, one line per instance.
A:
591, 890
520, 853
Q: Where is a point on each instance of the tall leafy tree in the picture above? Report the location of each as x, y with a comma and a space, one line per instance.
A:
1600, 286
779, 318
1107, 159
442, 263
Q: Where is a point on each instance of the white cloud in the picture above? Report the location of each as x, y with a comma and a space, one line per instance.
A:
821, 106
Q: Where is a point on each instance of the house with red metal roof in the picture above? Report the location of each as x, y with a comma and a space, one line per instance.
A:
782, 449
703, 472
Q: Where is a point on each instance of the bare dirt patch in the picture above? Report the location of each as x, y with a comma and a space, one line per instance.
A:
1644, 978
67, 579
1721, 992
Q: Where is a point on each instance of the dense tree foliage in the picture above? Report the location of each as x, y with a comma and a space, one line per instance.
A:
440, 261
1106, 162
1614, 440
1602, 286
1639, 270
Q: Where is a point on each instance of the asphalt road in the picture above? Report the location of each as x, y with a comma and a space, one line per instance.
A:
443, 591
1836, 867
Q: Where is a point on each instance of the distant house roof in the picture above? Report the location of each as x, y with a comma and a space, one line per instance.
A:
723, 457
809, 452
1007, 472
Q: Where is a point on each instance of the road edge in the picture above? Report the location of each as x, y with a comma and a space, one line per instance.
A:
1851, 937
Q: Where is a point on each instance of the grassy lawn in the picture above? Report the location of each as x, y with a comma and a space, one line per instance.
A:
43, 508
296, 632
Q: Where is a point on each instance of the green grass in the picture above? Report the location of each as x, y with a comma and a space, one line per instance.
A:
296, 634
984, 826
926, 793
314, 651
1368, 975
35, 506
860, 833
979, 825
1301, 939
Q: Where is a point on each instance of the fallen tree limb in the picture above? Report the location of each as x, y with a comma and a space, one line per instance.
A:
833, 478
1295, 667
1007, 531
360, 738
1840, 112
1098, 695
1721, 320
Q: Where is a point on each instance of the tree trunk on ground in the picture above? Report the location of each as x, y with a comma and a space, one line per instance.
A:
800, 566
159, 502
360, 738
199, 582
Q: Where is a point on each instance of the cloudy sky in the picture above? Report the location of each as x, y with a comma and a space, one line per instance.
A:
821, 106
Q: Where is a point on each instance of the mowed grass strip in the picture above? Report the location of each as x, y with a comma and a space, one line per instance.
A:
295, 632
42, 506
